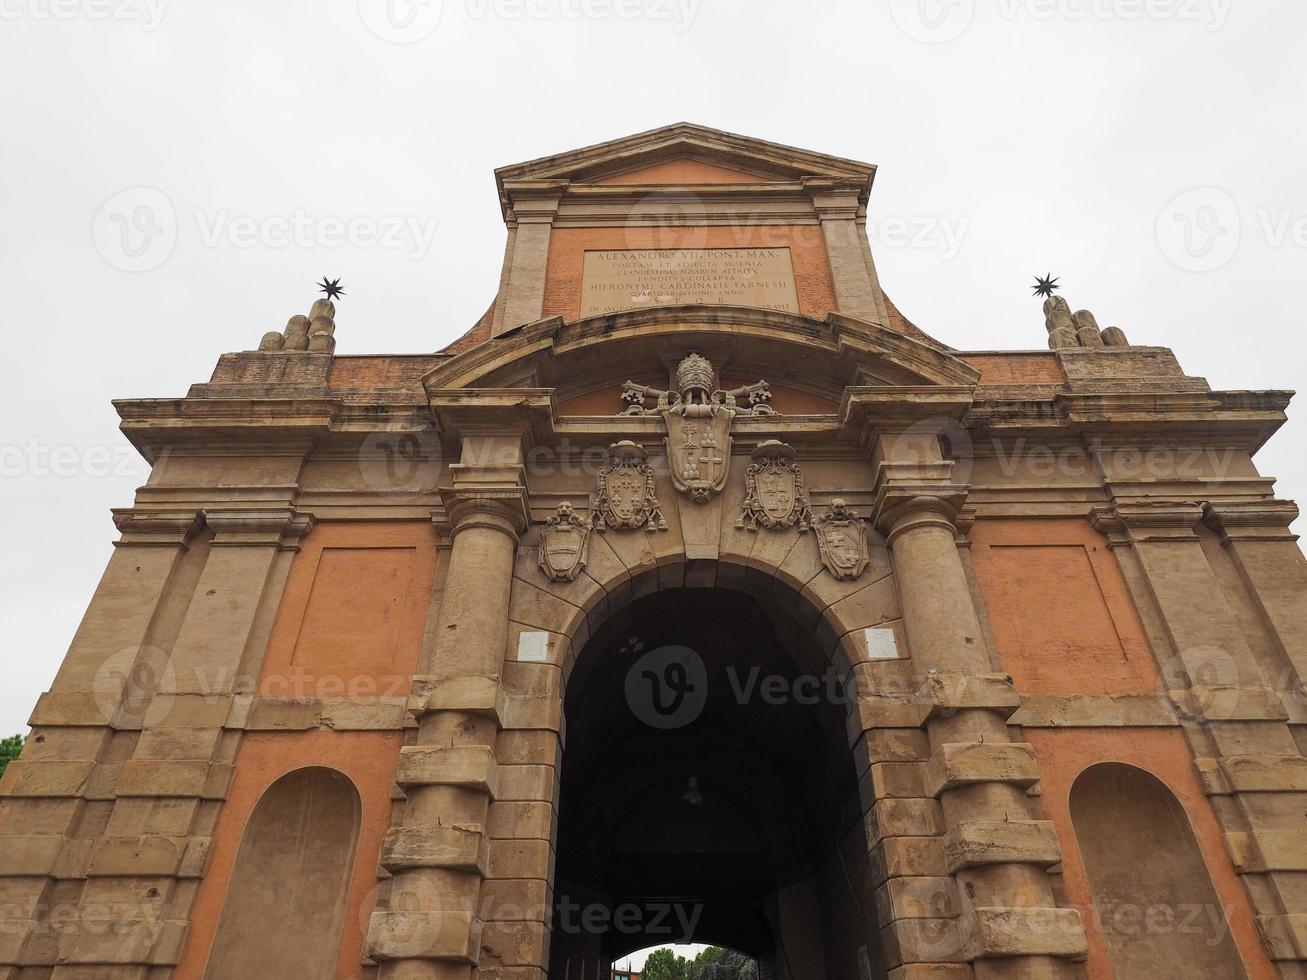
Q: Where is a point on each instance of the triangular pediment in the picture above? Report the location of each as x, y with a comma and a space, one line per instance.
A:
684, 150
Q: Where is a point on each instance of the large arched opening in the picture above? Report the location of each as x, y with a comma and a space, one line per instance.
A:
709, 794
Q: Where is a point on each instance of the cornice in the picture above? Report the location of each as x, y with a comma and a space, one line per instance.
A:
1252, 520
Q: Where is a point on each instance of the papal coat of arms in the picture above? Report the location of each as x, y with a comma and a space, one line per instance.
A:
842, 541
698, 416
564, 544
626, 491
776, 498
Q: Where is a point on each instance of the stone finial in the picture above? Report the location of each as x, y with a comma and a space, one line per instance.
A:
1061, 327
1079, 329
1087, 331
315, 333
297, 333
1115, 337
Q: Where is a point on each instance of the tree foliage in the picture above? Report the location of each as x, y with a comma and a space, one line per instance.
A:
9, 749
713, 963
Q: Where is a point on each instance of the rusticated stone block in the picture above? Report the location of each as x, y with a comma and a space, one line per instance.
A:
153, 777
1267, 850
63, 779
521, 819
448, 846
916, 898
526, 783
1265, 773
1285, 936
900, 779
520, 859
136, 857
980, 842
469, 766
943, 694
898, 857
514, 943
993, 932
506, 899
904, 818
447, 934
964, 763
475, 694
922, 941
931, 971
29, 856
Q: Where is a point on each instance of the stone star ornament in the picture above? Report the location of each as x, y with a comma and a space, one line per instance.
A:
1046, 286
331, 287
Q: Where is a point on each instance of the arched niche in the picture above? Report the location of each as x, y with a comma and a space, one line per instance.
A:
1153, 898
286, 900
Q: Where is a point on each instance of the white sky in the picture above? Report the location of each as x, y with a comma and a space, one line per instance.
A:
1047, 134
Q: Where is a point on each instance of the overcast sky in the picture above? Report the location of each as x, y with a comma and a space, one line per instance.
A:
176, 176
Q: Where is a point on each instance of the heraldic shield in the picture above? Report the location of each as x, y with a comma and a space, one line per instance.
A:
699, 449
564, 545
842, 541
626, 490
776, 498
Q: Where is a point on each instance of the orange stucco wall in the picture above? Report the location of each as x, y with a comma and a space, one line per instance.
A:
1060, 610
351, 620
1065, 753
684, 171
368, 758
567, 248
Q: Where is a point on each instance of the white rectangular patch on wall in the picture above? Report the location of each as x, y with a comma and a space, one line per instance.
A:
881, 643
533, 647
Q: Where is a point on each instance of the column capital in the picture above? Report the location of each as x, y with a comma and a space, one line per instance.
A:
504, 507
274, 526
1251, 520
1132, 521
155, 528
900, 507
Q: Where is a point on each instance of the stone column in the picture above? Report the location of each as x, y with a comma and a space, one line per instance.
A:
840, 212
534, 206
1236, 721
431, 928
1010, 925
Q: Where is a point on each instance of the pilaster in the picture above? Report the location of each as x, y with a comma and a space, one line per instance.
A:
840, 209
1234, 716
534, 206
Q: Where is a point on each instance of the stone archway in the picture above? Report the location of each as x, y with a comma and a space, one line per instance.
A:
709, 792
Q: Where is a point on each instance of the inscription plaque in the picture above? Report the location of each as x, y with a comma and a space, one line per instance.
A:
630, 279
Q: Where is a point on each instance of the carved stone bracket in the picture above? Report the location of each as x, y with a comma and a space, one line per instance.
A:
627, 499
564, 544
776, 497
